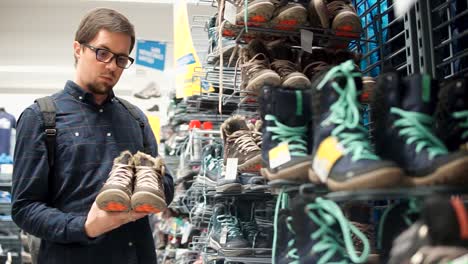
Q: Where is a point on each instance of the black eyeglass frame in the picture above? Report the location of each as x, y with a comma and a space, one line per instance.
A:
116, 56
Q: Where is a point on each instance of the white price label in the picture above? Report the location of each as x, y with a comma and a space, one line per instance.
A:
231, 169
6, 168
230, 12
307, 38
279, 155
186, 234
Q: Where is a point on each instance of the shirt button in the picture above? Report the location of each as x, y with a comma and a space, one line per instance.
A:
101, 110
130, 244
80, 97
77, 134
109, 134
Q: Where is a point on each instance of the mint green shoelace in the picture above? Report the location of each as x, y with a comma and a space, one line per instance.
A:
345, 114
231, 223
246, 14
326, 214
282, 202
294, 136
463, 124
416, 127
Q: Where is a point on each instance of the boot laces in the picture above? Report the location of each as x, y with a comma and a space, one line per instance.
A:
315, 67
147, 176
345, 114
243, 139
295, 137
416, 127
327, 215
254, 65
231, 224
121, 174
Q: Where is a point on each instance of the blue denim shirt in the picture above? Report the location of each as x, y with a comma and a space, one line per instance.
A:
54, 208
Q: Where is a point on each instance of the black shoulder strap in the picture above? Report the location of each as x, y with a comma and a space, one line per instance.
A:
135, 113
48, 110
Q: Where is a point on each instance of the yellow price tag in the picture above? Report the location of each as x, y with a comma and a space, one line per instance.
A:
328, 153
279, 155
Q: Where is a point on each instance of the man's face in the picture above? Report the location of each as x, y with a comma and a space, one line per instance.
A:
96, 76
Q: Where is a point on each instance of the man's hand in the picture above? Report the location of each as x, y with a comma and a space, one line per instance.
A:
100, 222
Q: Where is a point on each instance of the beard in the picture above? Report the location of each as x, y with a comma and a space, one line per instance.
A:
100, 88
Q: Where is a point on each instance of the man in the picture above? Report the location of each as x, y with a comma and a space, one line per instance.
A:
93, 127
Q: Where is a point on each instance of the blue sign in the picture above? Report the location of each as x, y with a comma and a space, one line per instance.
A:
186, 60
151, 54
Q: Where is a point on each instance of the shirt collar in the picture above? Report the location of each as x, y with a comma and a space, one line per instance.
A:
76, 91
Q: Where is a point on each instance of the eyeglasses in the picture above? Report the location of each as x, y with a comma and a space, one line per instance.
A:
104, 55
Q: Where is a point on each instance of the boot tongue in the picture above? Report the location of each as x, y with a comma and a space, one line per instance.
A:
420, 94
236, 125
124, 158
292, 107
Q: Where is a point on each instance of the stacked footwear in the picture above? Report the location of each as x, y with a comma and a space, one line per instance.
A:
340, 16
239, 143
284, 63
324, 235
211, 167
255, 68
342, 153
134, 183
286, 115
226, 233
402, 109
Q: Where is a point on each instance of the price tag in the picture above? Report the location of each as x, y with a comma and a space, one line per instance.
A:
279, 155
231, 168
6, 168
230, 12
307, 38
328, 153
186, 234
224, 235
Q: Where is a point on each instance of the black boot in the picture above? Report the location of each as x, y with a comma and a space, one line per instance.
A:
402, 111
286, 114
338, 132
451, 124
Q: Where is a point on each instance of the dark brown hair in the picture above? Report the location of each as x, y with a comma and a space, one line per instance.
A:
104, 18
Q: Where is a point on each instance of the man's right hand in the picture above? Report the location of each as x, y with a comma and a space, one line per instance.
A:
99, 222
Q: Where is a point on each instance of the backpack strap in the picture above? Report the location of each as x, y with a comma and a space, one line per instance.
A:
136, 114
48, 110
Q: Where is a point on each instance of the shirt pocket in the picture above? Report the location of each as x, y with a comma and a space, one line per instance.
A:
78, 140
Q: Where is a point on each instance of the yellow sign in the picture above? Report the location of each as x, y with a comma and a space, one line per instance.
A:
155, 124
186, 58
328, 153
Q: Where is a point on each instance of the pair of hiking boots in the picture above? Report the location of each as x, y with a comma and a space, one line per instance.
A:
327, 143
135, 183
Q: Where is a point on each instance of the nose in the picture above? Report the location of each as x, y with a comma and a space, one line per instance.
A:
112, 65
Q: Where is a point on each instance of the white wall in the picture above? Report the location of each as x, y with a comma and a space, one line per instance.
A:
41, 32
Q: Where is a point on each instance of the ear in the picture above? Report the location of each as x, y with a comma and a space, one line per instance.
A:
77, 49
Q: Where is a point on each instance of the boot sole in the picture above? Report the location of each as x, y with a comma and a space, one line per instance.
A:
227, 252
268, 78
301, 82
257, 13
252, 165
146, 202
297, 172
377, 179
113, 200
206, 181
290, 18
346, 24
229, 188
453, 173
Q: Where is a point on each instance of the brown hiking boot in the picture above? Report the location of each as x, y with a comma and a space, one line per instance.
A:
290, 76
239, 143
346, 23
115, 194
148, 195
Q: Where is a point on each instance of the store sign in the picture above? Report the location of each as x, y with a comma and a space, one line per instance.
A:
151, 54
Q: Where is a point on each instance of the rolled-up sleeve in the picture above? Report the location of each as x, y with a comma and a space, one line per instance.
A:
30, 190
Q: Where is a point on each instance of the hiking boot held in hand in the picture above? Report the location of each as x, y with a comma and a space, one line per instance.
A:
117, 190
148, 195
